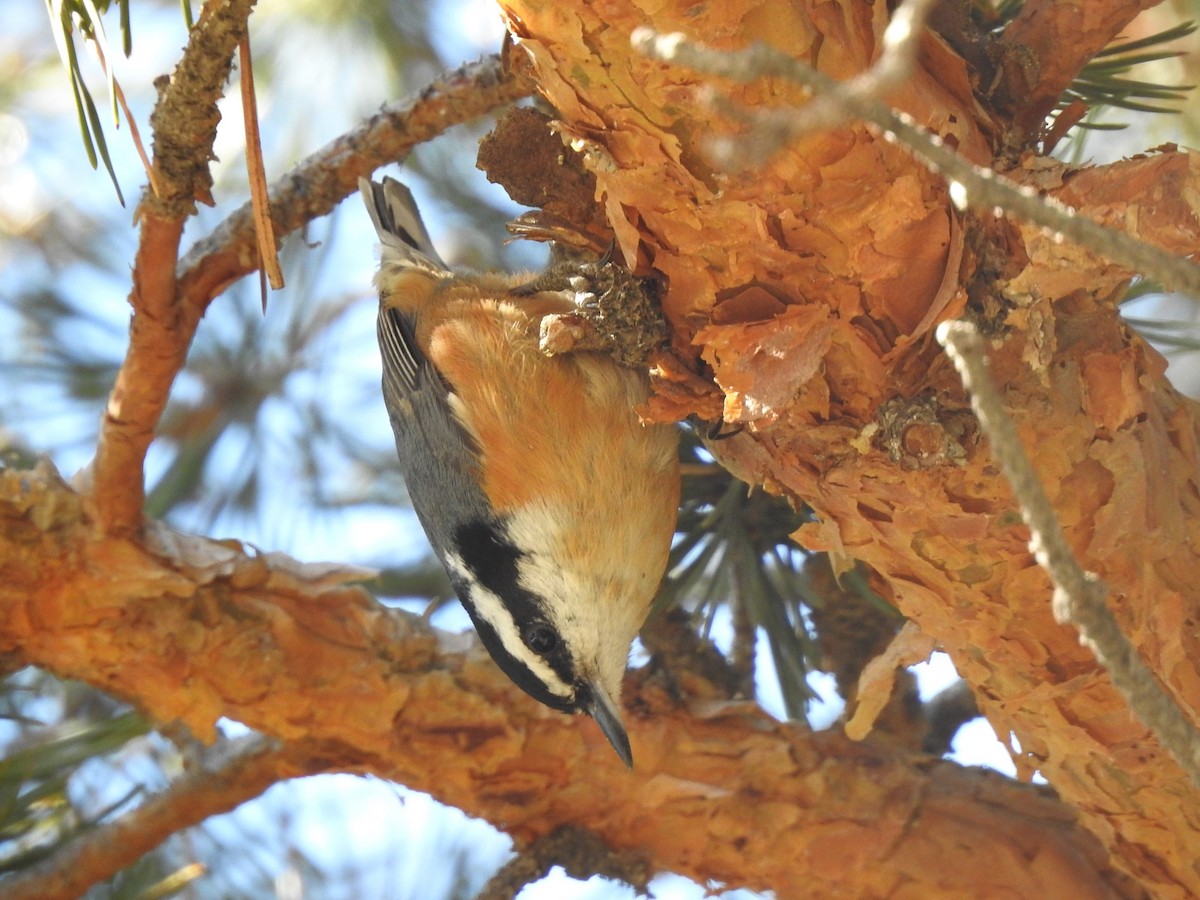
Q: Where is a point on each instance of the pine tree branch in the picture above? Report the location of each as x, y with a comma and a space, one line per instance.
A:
192, 630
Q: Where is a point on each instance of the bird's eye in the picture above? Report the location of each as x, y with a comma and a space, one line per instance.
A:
541, 638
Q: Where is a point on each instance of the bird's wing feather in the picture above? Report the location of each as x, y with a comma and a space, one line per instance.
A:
438, 453
417, 396
404, 365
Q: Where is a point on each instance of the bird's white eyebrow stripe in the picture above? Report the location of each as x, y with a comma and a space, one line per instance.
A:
489, 605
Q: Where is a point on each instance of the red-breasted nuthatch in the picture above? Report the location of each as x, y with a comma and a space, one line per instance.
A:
549, 503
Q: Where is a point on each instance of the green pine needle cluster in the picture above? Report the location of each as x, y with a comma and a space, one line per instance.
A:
1104, 82
85, 18
734, 550
37, 814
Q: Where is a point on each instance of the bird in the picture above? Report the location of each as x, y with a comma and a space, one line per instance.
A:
549, 503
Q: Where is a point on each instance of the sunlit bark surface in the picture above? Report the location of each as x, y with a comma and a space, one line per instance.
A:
810, 288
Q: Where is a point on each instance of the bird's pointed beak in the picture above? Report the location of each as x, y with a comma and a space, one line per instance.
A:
604, 711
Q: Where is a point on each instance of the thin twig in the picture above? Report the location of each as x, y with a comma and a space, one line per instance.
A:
580, 853
1079, 596
970, 186
745, 632
833, 103
156, 352
901, 41
238, 771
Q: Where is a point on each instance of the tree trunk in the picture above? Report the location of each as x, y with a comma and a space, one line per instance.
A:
191, 630
809, 288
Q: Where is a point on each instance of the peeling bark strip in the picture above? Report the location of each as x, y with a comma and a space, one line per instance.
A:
810, 288
190, 630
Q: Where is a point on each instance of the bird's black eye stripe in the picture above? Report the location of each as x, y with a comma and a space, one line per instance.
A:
493, 563
492, 558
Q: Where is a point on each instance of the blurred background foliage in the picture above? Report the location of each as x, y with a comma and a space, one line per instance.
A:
275, 434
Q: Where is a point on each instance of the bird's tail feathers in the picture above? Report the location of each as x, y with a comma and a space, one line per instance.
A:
401, 232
